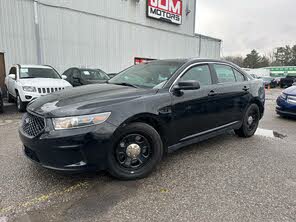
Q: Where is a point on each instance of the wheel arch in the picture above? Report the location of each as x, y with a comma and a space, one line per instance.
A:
259, 104
152, 120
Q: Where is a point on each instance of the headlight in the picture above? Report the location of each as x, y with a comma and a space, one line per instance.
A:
29, 88
79, 121
283, 96
291, 100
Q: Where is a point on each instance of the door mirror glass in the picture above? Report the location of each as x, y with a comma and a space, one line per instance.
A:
12, 76
187, 85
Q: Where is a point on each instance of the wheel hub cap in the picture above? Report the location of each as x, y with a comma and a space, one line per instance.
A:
133, 150
250, 120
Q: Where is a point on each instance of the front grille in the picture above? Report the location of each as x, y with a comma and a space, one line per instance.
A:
49, 90
32, 125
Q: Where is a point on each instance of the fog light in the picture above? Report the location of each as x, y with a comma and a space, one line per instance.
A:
28, 97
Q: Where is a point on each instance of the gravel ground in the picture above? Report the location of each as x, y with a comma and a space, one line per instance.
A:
223, 179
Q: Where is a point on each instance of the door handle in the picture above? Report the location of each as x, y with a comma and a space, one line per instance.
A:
246, 88
212, 93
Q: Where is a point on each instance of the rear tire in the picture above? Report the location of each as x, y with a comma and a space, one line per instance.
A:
20, 105
1, 104
148, 152
250, 122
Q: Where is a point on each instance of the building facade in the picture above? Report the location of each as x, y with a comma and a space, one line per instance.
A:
106, 34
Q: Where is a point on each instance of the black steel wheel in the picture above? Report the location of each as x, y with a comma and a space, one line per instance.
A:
137, 150
250, 122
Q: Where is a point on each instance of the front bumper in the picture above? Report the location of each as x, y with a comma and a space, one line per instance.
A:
76, 150
285, 108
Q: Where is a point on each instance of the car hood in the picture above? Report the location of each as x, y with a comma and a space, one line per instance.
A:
84, 100
291, 90
44, 82
95, 81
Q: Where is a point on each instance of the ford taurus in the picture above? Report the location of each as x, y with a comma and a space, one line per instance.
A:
127, 125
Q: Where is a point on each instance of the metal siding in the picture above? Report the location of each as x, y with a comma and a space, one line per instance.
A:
72, 38
17, 33
128, 10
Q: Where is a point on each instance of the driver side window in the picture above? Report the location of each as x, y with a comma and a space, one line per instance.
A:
200, 73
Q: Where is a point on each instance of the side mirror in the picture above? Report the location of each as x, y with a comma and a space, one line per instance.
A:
64, 77
187, 85
12, 76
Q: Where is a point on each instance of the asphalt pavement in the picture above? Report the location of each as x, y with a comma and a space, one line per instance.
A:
223, 179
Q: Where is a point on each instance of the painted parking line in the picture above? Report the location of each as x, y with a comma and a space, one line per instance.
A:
25, 205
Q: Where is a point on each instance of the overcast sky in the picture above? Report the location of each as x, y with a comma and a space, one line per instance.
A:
247, 24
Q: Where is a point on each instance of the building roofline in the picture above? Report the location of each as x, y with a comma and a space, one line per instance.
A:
207, 37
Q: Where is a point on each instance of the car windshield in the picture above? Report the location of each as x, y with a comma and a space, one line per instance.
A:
26, 73
94, 74
147, 75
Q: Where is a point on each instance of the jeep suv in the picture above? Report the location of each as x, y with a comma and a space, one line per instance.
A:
27, 82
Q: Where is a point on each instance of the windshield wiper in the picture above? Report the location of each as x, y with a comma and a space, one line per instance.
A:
29, 77
125, 84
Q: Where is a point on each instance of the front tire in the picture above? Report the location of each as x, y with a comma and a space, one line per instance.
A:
20, 105
9, 97
250, 122
137, 150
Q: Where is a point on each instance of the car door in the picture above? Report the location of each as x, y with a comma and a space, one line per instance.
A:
191, 109
11, 81
230, 95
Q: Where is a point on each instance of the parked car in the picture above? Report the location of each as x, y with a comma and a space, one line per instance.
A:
1, 102
149, 109
28, 82
278, 80
269, 82
286, 102
288, 81
79, 76
111, 75
254, 76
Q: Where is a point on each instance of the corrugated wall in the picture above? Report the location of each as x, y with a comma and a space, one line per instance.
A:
75, 38
17, 32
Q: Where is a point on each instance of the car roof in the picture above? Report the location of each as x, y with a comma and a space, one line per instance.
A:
35, 66
193, 60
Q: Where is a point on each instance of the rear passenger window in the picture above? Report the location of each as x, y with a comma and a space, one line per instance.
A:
239, 77
199, 73
224, 73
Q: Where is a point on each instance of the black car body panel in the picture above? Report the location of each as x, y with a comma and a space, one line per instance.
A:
180, 119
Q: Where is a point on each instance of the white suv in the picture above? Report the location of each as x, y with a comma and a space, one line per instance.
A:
27, 82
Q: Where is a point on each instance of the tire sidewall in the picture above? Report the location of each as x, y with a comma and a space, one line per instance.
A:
246, 131
157, 152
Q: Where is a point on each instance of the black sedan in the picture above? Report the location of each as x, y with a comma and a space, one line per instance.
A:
127, 125
79, 76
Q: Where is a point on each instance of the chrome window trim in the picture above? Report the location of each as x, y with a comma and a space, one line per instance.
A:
205, 63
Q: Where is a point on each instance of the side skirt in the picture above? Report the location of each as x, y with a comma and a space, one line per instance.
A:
196, 138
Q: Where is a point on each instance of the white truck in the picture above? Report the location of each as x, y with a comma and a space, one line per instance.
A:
27, 82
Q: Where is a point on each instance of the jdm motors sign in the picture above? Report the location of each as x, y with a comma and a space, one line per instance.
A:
166, 10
